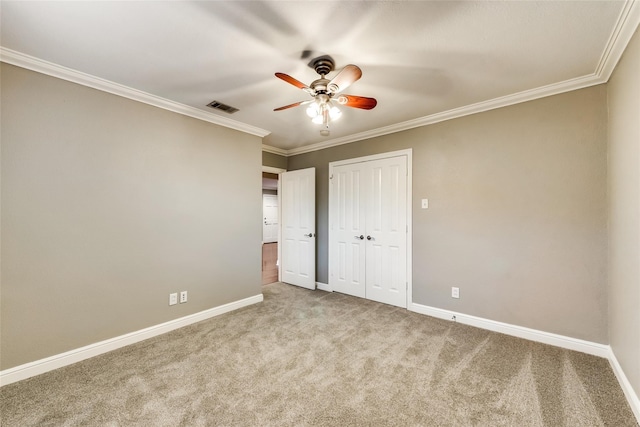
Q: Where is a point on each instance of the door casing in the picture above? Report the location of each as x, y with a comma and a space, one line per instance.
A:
278, 171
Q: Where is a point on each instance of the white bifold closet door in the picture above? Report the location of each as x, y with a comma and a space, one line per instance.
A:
368, 230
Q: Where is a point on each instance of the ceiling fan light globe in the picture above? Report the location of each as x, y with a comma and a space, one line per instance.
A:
312, 110
335, 113
317, 120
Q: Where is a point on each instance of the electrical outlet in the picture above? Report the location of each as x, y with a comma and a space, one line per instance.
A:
173, 298
183, 297
455, 292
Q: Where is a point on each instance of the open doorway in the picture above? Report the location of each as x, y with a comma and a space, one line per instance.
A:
270, 227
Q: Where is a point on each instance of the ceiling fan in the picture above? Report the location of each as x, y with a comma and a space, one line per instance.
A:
326, 93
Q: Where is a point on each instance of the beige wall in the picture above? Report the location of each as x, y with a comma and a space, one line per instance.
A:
517, 212
274, 160
108, 205
624, 212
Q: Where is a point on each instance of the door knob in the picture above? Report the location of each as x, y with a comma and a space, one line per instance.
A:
369, 238
308, 235
361, 237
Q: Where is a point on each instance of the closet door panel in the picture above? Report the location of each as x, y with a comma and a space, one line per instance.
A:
347, 251
386, 256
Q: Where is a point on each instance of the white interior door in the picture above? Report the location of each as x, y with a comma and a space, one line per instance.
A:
270, 218
298, 210
368, 242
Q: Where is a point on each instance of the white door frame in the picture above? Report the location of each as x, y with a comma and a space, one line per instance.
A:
409, 153
278, 171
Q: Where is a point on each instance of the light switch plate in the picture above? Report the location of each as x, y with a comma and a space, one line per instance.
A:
425, 203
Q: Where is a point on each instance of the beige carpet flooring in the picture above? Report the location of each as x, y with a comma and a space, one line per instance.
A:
311, 358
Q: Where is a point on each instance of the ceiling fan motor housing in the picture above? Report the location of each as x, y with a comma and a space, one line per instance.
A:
323, 65
320, 86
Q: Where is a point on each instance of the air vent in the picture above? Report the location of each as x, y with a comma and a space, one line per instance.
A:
222, 107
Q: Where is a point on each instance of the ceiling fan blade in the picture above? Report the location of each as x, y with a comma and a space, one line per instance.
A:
357, 101
297, 83
292, 105
344, 78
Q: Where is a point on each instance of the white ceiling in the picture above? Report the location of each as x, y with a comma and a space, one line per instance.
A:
424, 61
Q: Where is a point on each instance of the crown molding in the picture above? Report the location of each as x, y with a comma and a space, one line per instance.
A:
275, 150
623, 30
35, 64
628, 22
516, 98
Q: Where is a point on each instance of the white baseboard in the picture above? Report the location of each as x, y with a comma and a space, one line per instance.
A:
323, 287
601, 350
41, 366
628, 390
31, 369
561, 341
